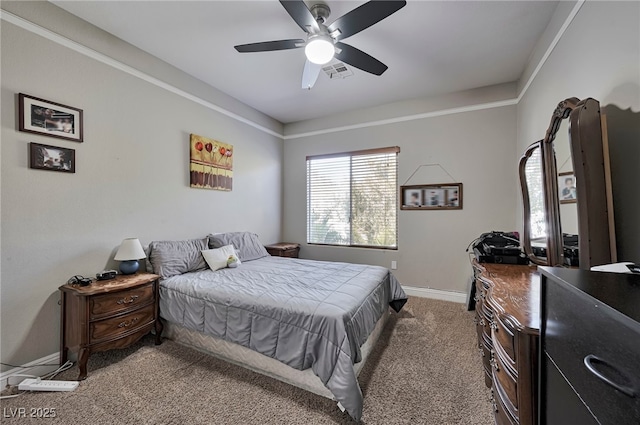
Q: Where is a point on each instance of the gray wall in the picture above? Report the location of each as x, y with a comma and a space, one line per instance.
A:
598, 56
135, 156
476, 148
132, 176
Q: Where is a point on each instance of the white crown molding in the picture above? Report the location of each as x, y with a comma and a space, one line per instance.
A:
552, 46
57, 38
63, 41
442, 112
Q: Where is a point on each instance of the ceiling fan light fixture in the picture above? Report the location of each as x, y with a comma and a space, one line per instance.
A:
319, 50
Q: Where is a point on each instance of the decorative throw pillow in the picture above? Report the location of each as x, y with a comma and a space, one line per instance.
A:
247, 244
170, 258
217, 258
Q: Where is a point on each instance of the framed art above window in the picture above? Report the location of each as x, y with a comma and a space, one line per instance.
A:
447, 196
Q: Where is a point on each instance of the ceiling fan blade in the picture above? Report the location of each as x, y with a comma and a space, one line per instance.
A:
359, 59
363, 17
267, 46
301, 14
310, 74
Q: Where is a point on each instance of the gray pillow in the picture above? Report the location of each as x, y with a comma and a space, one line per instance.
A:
170, 258
247, 244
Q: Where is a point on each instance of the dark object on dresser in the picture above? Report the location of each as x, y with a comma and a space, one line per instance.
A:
107, 314
283, 249
589, 347
499, 247
507, 324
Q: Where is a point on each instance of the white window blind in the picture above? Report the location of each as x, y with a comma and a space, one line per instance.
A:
352, 198
535, 184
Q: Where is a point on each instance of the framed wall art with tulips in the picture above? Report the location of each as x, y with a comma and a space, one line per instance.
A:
210, 164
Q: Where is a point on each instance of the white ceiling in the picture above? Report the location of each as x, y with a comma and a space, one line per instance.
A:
430, 47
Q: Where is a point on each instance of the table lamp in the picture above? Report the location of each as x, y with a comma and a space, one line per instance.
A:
128, 254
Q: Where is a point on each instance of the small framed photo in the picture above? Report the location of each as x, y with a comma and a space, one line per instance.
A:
49, 118
431, 197
52, 158
567, 188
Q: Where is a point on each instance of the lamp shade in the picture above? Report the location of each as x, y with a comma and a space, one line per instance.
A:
130, 249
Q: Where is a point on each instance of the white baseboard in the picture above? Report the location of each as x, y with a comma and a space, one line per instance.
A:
438, 294
35, 368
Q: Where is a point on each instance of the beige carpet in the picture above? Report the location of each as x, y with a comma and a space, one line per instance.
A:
425, 370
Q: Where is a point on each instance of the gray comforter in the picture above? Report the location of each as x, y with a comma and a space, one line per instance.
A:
304, 313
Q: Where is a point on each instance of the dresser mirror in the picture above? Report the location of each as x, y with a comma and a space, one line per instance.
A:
566, 170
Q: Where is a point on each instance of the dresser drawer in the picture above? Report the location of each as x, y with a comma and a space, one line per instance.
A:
502, 414
505, 379
487, 317
502, 327
586, 338
479, 321
113, 303
486, 356
116, 326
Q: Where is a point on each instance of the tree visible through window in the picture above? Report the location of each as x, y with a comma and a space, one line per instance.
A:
533, 173
352, 198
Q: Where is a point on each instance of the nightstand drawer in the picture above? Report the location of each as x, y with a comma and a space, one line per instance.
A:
119, 325
109, 304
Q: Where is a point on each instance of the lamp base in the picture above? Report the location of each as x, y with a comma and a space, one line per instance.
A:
129, 266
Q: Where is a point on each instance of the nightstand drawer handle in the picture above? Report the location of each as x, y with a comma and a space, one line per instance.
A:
132, 298
128, 323
590, 362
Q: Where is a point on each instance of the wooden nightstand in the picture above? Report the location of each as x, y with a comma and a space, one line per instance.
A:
107, 314
284, 249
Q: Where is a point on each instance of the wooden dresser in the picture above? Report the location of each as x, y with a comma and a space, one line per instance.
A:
508, 327
107, 314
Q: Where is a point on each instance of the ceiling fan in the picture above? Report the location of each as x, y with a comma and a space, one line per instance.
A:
323, 41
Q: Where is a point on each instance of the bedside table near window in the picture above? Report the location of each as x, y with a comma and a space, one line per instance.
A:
107, 314
284, 249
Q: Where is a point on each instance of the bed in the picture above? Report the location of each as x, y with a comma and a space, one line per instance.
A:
309, 323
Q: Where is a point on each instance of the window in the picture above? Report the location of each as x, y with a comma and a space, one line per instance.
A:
352, 198
535, 185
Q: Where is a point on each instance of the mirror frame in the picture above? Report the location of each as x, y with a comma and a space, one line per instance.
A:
596, 227
555, 256
526, 202
595, 219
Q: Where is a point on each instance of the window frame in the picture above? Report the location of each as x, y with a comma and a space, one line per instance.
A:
351, 154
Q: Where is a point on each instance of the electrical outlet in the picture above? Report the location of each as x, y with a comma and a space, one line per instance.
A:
394, 265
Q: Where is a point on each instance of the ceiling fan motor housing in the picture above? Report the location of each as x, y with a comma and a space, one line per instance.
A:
320, 12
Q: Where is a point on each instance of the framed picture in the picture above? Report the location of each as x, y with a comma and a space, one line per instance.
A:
52, 158
210, 164
431, 197
567, 188
49, 118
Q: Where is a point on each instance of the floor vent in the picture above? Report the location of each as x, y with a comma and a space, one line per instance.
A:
337, 70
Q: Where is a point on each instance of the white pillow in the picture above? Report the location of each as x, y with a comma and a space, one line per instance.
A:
217, 258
